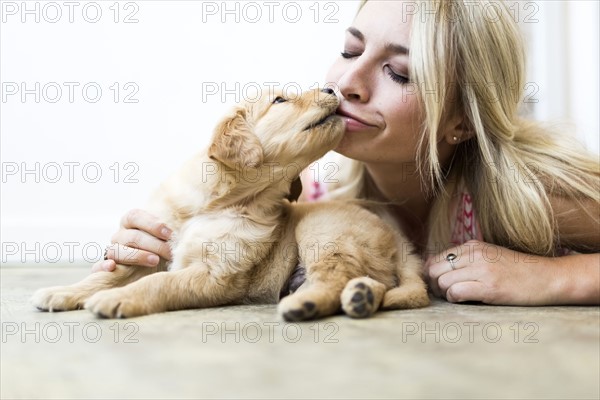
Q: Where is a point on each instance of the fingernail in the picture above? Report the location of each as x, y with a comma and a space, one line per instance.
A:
153, 259
166, 233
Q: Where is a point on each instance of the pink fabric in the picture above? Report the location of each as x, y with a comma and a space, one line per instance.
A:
465, 226
316, 191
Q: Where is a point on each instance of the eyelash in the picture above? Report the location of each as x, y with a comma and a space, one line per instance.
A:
393, 76
397, 78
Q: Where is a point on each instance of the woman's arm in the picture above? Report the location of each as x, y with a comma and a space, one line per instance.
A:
577, 279
496, 275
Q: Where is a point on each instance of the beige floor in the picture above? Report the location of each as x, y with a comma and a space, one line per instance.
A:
444, 351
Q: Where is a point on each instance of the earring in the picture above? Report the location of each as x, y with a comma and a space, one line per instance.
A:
455, 138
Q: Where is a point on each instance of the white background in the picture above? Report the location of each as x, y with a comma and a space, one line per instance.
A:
166, 58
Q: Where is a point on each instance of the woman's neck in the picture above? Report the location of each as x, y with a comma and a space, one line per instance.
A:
401, 185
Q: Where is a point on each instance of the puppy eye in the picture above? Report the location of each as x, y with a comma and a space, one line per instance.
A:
279, 99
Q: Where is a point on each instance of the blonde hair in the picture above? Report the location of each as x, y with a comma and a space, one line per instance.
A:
511, 167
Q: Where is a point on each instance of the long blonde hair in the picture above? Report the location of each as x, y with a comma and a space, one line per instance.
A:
512, 167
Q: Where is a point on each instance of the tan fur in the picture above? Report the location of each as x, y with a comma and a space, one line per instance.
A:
237, 239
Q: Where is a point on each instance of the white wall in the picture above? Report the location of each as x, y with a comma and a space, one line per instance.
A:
165, 58
564, 69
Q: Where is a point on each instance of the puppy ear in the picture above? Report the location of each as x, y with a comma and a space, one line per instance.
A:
234, 144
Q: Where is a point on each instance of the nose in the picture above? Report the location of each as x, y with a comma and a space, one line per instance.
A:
327, 90
355, 82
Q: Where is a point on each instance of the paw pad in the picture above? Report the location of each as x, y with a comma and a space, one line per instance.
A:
362, 302
308, 310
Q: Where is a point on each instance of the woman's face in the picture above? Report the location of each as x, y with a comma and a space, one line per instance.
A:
383, 120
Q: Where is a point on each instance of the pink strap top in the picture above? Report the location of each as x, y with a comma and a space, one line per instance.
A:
465, 226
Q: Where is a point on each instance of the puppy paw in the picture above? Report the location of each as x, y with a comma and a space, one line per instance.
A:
361, 297
359, 302
58, 298
294, 310
115, 303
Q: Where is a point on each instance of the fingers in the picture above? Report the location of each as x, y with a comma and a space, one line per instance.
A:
143, 221
459, 285
447, 280
466, 291
145, 242
104, 265
437, 266
129, 255
142, 241
443, 273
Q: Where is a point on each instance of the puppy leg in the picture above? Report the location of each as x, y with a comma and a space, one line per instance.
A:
362, 297
312, 301
409, 295
319, 296
72, 297
191, 287
412, 290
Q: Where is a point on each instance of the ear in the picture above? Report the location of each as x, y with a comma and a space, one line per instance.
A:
459, 131
234, 144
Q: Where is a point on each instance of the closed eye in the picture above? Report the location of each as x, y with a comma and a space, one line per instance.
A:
347, 55
397, 77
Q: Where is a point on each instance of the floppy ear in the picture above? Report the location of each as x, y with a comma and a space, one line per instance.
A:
234, 144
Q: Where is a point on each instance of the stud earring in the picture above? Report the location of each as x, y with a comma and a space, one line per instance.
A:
455, 138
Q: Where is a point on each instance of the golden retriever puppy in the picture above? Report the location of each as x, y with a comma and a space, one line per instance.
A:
356, 258
237, 238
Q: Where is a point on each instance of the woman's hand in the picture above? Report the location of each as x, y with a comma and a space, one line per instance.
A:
496, 275
141, 240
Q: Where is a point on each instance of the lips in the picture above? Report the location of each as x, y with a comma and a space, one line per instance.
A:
352, 116
354, 122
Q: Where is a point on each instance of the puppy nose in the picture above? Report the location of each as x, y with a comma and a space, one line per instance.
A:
327, 90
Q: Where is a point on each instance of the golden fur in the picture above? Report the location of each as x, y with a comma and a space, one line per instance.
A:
237, 238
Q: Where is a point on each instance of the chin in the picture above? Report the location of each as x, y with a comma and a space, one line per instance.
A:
349, 148
342, 147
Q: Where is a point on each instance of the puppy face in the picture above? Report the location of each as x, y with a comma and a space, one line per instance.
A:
291, 129
279, 130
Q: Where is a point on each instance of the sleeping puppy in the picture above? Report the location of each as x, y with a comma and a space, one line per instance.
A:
237, 238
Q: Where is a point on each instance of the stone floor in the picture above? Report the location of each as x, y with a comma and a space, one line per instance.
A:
444, 351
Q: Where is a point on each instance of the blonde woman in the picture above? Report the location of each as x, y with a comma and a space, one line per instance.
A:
503, 210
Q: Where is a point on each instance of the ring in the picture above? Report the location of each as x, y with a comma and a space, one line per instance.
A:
450, 258
106, 252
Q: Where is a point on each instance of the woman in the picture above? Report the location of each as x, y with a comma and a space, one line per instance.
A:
503, 210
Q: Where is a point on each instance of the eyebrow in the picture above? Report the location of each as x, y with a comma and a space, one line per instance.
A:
395, 48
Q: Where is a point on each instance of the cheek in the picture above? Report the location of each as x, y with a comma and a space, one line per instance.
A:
404, 114
403, 126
